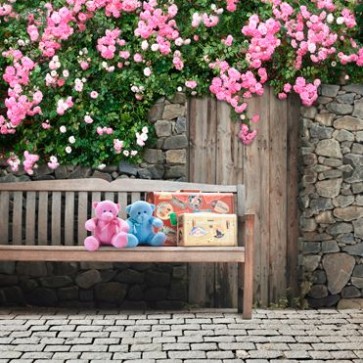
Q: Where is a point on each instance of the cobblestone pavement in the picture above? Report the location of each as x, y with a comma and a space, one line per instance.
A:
35, 336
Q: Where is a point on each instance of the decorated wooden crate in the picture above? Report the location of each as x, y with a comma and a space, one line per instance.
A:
169, 203
207, 229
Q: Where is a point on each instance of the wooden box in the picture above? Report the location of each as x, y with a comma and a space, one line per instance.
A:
207, 229
167, 203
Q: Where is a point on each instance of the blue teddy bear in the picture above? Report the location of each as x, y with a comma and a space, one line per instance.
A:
141, 222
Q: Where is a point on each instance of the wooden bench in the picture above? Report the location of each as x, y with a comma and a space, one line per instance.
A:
44, 221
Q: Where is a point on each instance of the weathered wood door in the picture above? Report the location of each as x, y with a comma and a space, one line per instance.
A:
268, 168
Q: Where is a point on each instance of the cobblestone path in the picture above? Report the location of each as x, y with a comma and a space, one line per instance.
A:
49, 335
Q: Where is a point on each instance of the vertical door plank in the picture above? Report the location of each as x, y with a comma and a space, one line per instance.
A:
226, 167
202, 168
43, 217
4, 217
18, 218
256, 178
293, 120
82, 217
278, 199
30, 218
69, 219
122, 200
56, 218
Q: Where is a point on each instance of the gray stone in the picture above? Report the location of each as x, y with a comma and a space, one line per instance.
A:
321, 204
330, 161
319, 277
179, 98
350, 304
330, 246
357, 282
13, 295
10, 178
130, 276
178, 291
154, 156
346, 239
349, 213
324, 100
88, 279
181, 125
174, 157
127, 168
33, 269
356, 250
100, 175
340, 228
61, 172
173, 111
325, 118
359, 200
358, 271
64, 268
325, 302
329, 188
308, 224
311, 247
343, 135
343, 201
135, 293
56, 281
155, 294
43, 297
340, 108
354, 88
318, 291
309, 112
80, 172
8, 280
325, 218
154, 278
156, 111
356, 161
157, 171
357, 149
311, 262
346, 98
110, 292
163, 128
358, 111
357, 188
176, 142
348, 123
359, 136
338, 268
329, 90
68, 293
350, 292
310, 159
144, 173
179, 272
7, 267
330, 174
329, 148
177, 171
321, 132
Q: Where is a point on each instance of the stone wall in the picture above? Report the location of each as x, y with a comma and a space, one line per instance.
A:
138, 286
331, 197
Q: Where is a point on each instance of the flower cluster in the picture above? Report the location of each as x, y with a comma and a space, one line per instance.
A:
77, 77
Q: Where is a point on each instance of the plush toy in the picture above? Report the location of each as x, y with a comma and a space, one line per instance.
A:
142, 223
107, 229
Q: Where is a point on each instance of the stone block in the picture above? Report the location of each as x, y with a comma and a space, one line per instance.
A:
178, 291
33, 269
357, 282
318, 291
359, 136
350, 292
163, 128
155, 278
7, 267
154, 156
42, 297
349, 213
310, 262
110, 292
350, 304
340, 228
349, 123
176, 142
68, 293
56, 281
330, 161
144, 173
321, 132
13, 295
155, 294
358, 271
358, 111
88, 279
339, 108
130, 276
311, 247
354, 88
135, 293
127, 168
343, 135
324, 100
180, 272
157, 171
308, 112
330, 246
8, 280
176, 171
325, 218
156, 112
355, 250
319, 277
308, 224
329, 188
174, 157
357, 188
345, 239
100, 175
329, 90
173, 111
346, 98
321, 204
181, 125
325, 118
329, 147
80, 172
338, 268
179, 98
357, 149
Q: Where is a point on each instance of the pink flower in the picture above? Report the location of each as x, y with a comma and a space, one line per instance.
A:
94, 94
191, 84
84, 65
255, 118
138, 57
245, 135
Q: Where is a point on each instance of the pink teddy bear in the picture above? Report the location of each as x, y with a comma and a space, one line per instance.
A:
107, 229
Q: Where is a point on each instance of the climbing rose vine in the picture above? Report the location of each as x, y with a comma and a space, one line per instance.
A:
77, 77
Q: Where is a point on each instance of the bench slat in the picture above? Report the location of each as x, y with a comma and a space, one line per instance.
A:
56, 218
122, 200
96, 197
4, 217
69, 219
18, 218
110, 196
138, 254
43, 216
82, 216
30, 218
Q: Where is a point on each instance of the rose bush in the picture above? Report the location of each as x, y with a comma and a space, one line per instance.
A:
77, 77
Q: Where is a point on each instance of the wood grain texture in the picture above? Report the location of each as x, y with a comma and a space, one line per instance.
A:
17, 221
56, 218
82, 215
30, 218
4, 217
43, 215
69, 219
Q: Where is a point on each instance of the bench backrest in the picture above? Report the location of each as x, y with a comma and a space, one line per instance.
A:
54, 212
